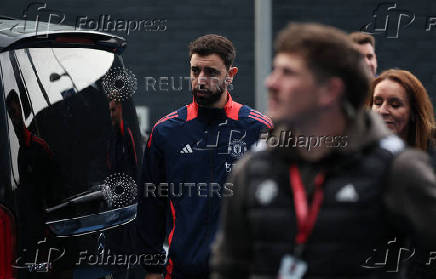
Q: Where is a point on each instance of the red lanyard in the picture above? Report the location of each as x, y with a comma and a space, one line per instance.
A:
305, 218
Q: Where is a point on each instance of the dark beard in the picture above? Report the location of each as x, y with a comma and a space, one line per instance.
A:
210, 98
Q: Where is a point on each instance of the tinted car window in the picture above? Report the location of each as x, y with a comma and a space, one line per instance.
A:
65, 139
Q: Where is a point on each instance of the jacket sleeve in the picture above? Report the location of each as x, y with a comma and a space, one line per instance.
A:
411, 195
152, 209
133, 161
231, 251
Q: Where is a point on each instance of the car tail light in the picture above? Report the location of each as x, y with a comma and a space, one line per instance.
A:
7, 244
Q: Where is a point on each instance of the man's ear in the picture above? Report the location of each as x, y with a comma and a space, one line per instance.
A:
231, 74
332, 91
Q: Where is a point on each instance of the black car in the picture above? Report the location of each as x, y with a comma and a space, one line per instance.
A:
68, 161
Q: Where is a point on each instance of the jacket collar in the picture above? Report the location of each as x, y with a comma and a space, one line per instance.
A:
231, 109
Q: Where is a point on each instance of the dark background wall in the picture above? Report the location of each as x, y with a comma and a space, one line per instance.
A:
413, 49
164, 54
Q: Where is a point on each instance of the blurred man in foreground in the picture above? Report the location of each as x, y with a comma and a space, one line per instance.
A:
320, 207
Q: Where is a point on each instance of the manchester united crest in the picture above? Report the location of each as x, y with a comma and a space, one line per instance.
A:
237, 148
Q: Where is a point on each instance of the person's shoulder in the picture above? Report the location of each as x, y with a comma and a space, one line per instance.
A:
411, 169
41, 144
39, 141
163, 128
171, 119
405, 160
411, 163
252, 116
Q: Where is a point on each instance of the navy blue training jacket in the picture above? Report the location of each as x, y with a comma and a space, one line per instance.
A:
187, 159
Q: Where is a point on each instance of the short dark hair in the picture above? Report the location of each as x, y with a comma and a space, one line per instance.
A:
214, 44
362, 38
328, 52
12, 98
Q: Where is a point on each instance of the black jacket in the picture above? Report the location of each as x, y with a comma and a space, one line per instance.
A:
396, 192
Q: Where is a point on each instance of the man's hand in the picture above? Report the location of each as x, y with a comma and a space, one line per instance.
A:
153, 276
